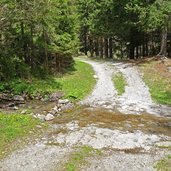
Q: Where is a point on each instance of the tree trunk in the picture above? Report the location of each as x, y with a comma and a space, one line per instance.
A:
163, 47
106, 48
24, 43
91, 47
85, 41
97, 47
101, 47
111, 47
46, 65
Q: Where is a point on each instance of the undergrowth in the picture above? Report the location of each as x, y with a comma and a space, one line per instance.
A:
75, 84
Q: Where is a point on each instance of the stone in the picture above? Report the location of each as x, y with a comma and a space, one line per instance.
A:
55, 108
18, 98
65, 101
55, 96
15, 108
53, 112
41, 117
95, 76
49, 117
169, 68
23, 111
66, 107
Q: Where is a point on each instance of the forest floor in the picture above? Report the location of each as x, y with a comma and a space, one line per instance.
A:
107, 132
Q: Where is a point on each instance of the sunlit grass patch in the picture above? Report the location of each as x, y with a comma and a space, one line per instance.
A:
14, 126
78, 158
120, 83
164, 164
158, 79
79, 83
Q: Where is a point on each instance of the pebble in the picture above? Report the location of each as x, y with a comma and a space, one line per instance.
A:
41, 117
65, 101
24, 112
18, 98
15, 108
49, 117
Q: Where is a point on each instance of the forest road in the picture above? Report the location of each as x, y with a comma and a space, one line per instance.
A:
135, 100
127, 139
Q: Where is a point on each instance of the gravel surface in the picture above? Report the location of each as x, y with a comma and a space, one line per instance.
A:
119, 161
135, 100
35, 157
104, 93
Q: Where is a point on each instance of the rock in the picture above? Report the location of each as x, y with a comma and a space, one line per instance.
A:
15, 108
53, 112
18, 98
55, 108
23, 111
41, 117
65, 101
169, 68
55, 96
95, 76
49, 117
66, 107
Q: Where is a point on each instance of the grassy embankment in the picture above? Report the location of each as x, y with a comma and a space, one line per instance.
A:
158, 79
76, 85
120, 83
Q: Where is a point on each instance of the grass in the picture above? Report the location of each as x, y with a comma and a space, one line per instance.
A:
78, 158
120, 83
158, 79
164, 164
79, 83
14, 126
75, 84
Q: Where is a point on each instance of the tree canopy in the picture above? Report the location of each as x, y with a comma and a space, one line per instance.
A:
41, 36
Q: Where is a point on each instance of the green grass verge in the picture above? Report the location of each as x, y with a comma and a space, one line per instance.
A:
14, 126
75, 84
78, 158
79, 83
158, 82
120, 83
164, 164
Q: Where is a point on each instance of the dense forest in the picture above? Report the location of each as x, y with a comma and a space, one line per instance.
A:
42, 36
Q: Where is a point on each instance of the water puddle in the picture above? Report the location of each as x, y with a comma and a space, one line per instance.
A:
32, 106
98, 117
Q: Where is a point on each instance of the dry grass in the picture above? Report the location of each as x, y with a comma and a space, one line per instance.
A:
158, 79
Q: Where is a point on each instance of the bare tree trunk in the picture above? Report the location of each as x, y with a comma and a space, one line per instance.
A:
85, 41
46, 65
106, 48
97, 47
101, 47
111, 47
91, 46
163, 47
